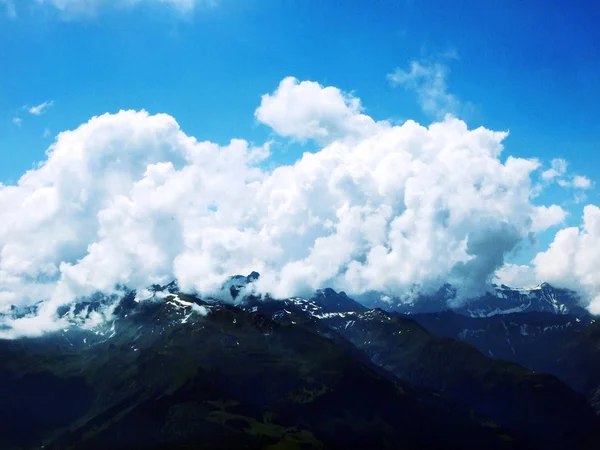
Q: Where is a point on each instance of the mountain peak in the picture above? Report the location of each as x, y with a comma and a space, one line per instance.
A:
171, 287
332, 301
238, 282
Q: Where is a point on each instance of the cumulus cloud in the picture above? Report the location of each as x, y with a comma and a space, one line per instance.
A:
571, 262
40, 109
515, 275
573, 258
544, 217
427, 79
306, 110
581, 182
130, 199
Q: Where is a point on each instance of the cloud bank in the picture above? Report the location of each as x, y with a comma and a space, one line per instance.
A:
130, 199
573, 258
571, 261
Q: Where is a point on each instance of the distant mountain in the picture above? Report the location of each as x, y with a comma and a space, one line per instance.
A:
503, 391
579, 363
563, 345
501, 300
536, 340
543, 298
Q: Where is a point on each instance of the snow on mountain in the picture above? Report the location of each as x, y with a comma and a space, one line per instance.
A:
499, 301
99, 311
542, 298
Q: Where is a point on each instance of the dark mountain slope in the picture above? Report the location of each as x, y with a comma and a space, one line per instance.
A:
539, 405
563, 345
534, 340
184, 374
579, 363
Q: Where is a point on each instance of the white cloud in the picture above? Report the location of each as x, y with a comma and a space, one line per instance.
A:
559, 168
428, 79
130, 199
581, 182
17, 121
558, 173
544, 217
575, 181
514, 275
307, 110
202, 310
40, 109
573, 258
87, 7
563, 183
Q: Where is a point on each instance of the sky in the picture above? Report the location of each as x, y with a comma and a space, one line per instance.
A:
444, 141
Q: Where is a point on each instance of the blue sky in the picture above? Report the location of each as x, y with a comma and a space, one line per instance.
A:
527, 66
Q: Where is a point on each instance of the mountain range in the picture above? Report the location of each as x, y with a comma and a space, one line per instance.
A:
499, 300
513, 369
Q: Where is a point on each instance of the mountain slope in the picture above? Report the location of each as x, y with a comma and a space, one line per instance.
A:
534, 340
511, 395
579, 363
182, 373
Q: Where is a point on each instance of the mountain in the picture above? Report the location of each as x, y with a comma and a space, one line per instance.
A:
543, 328
536, 340
236, 283
506, 392
176, 371
500, 300
505, 300
579, 363
563, 345
179, 372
